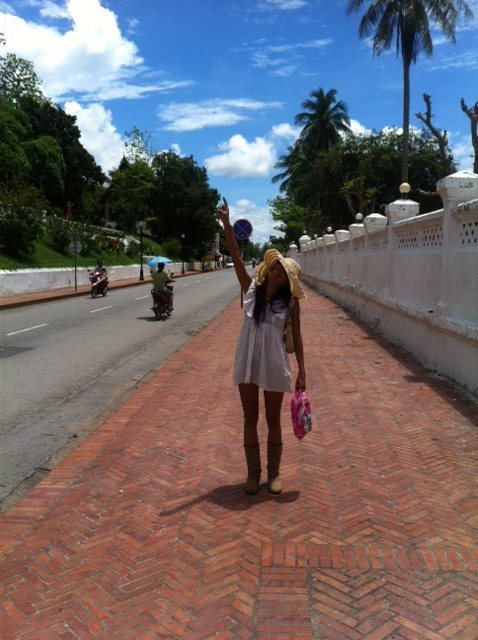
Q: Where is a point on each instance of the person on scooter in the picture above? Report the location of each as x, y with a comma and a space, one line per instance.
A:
101, 269
160, 282
99, 278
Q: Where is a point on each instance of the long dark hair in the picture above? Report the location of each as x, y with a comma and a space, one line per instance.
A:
279, 300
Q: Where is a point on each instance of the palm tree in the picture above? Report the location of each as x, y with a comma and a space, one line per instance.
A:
322, 123
323, 120
407, 22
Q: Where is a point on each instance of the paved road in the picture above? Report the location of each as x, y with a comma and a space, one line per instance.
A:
67, 364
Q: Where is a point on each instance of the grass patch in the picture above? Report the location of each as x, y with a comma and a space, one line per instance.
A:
45, 257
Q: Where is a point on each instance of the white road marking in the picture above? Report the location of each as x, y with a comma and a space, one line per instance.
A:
101, 309
38, 326
142, 298
186, 285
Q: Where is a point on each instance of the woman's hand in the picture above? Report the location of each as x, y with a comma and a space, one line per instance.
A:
300, 381
223, 212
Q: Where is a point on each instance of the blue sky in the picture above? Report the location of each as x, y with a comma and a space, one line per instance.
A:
222, 80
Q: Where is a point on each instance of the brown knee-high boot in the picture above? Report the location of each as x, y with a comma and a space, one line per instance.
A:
274, 453
253, 458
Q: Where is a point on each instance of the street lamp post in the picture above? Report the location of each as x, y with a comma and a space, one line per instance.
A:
141, 274
183, 235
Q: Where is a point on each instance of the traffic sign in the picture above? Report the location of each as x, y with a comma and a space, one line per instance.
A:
75, 247
242, 229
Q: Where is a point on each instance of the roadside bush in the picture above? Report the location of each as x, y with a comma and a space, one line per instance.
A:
62, 232
20, 221
132, 250
172, 248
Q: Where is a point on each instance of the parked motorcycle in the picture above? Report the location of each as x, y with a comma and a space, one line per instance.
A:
162, 304
99, 283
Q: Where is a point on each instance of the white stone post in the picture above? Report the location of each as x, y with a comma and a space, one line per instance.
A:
396, 211
454, 189
292, 251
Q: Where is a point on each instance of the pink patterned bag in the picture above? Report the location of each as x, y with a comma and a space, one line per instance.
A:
300, 413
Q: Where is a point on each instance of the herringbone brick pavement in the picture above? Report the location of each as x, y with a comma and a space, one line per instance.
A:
144, 531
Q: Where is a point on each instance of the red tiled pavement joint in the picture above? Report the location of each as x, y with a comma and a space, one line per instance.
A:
144, 531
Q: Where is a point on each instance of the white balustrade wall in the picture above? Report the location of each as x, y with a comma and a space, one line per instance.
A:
35, 280
414, 279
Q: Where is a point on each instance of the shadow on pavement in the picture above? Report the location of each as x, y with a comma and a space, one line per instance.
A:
232, 497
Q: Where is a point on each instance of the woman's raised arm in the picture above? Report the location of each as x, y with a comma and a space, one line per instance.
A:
242, 275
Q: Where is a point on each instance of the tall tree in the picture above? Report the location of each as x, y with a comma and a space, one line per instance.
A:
82, 174
18, 78
295, 168
323, 120
129, 193
14, 128
183, 203
408, 23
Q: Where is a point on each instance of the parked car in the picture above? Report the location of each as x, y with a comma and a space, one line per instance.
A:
229, 264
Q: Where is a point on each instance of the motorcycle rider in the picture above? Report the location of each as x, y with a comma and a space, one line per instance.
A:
100, 268
160, 282
99, 277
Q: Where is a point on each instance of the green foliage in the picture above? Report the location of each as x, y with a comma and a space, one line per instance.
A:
170, 193
294, 219
183, 203
323, 120
60, 232
359, 174
130, 193
93, 241
14, 128
138, 146
47, 166
172, 249
82, 176
20, 221
44, 256
407, 24
18, 78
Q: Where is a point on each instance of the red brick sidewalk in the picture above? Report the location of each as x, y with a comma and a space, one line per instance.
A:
144, 531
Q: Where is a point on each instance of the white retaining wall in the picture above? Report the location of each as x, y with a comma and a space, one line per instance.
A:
415, 279
31, 280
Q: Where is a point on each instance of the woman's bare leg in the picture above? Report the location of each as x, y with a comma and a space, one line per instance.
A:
273, 402
250, 406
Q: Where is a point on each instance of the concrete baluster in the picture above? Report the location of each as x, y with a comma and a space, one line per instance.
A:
455, 278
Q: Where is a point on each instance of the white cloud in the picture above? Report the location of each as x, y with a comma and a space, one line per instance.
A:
259, 217
212, 113
268, 57
240, 158
285, 131
98, 134
53, 10
281, 5
90, 58
467, 60
311, 44
358, 129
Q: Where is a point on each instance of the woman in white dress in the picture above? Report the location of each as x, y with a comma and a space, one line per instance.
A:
261, 360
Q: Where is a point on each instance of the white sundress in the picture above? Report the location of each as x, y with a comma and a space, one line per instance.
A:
261, 357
